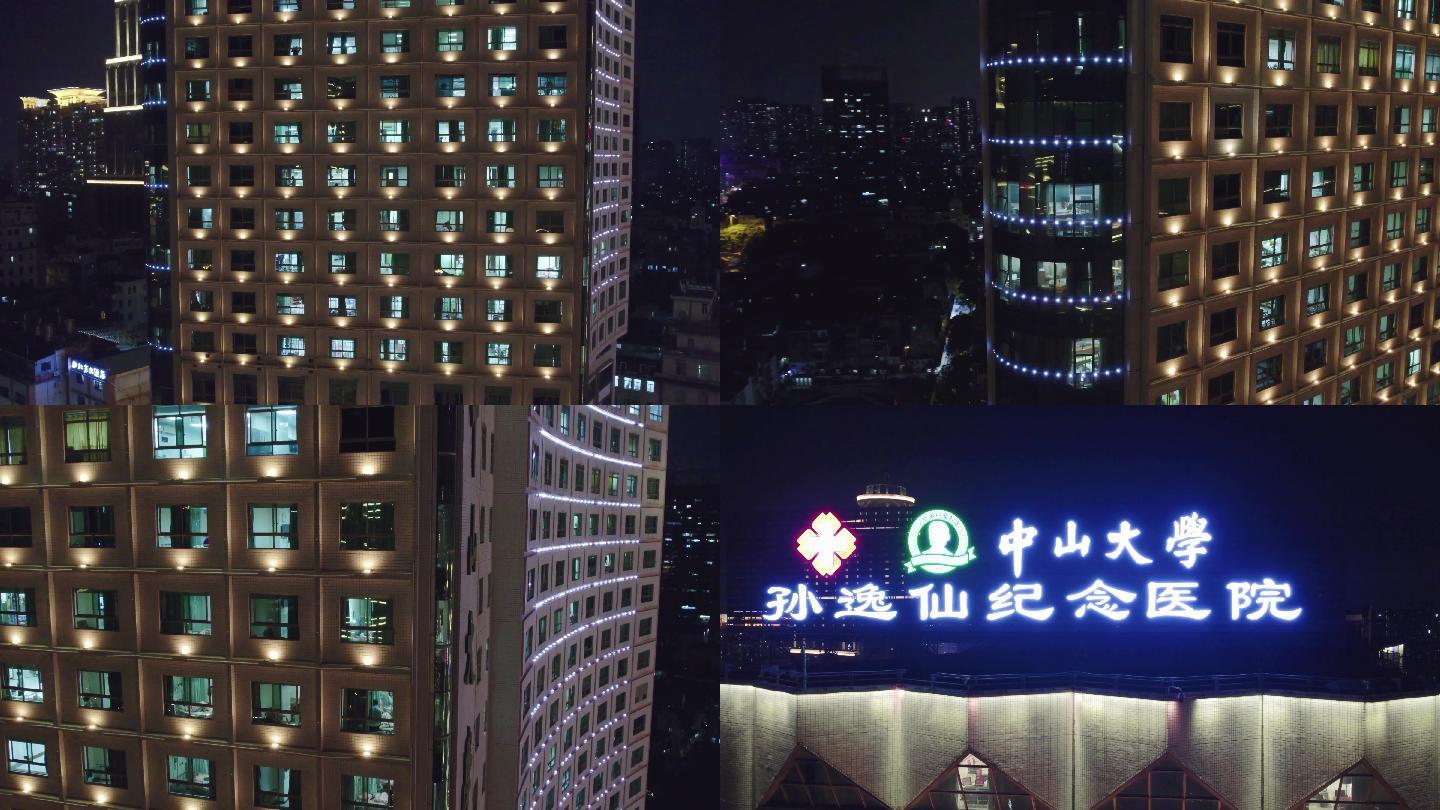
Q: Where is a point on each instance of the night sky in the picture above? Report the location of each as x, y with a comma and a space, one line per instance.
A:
55, 43
697, 56
1340, 502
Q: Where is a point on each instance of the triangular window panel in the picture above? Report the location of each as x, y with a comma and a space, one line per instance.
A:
809, 781
1165, 785
974, 784
1359, 788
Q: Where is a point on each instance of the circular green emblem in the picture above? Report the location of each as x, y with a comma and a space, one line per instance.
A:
946, 543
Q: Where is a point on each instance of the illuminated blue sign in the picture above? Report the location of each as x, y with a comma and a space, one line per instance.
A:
1179, 595
85, 369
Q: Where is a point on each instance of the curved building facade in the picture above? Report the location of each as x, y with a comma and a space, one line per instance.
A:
1075, 750
1260, 174
1055, 149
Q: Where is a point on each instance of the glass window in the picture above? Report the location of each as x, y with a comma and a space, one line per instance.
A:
105, 767
272, 430
189, 696
100, 690
366, 620
17, 607
87, 436
503, 38
277, 787
368, 711
189, 776
12, 440
367, 525
27, 757
23, 684
273, 525
185, 614
366, 793
275, 704
92, 527
95, 610
274, 617
182, 526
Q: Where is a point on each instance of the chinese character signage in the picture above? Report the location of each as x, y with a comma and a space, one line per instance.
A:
1137, 579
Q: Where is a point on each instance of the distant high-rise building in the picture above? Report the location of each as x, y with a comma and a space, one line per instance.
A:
61, 142
965, 114
124, 119
20, 261
384, 203
855, 119
690, 359
1207, 202
762, 137
290, 606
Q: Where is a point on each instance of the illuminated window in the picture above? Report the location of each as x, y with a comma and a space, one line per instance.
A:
500, 176
182, 527
1275, 250
500, 130
503, 38
104, 766
275, 704
271, 430
366, 793
394, 349
497, 354
394, 41
551, 176
549, 267
497, 310
272, 526
1267, 373
1280, 49
288, 132
497, 265
17, 607
87, 435
368, 711
27, 757
448, 308
342, 348
187, 696
551, 84
274, 617
23, 684
95, 610
185, 614
1404, 61
189, 776
450, 39
1327, 54
277, 787
1317, 299
1320, 242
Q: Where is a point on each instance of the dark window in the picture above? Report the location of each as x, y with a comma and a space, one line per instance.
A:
242, 132
1267, 373
1222, 389
367, 430
552, 37
1174, 196
1176, 38
274, 617
1230, 44
185, 614
242, 175
92, 527
15, 527
1227, 192
95, 610
1229, 122
1174, 120
104, 766
1327, 120
1173, 270
367, 525
1225, 260
1223, 327
1170, 341
1278, 119
1277, 186
1365, 118
1315, 354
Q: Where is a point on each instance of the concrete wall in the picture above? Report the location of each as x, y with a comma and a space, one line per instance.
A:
1260, 752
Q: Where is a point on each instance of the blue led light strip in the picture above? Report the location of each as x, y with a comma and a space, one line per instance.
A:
1083, 300
1056, 222
1057, 59
1056, 375
1114, 140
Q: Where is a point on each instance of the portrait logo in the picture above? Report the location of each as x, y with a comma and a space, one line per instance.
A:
826, 543
938, 543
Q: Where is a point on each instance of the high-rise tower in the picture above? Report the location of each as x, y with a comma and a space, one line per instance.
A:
1209, 202
401, 201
